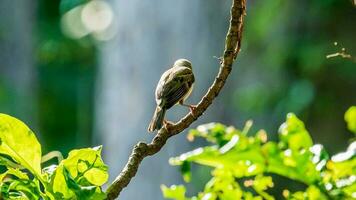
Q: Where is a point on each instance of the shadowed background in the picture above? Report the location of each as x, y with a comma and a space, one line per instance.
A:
83, 73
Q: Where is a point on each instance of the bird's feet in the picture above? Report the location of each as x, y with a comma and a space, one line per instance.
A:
192, 108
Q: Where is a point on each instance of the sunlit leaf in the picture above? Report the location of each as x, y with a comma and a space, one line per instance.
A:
20, 143
293, 134
79, 175
234, 157
186, 172
14, 172
342, 169
174, 192
312, 193
92, 158
213, 132
223, 186
262, 182
96, 176
59, 184
16, 184
350, 118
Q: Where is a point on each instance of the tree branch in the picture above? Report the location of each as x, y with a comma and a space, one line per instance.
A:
141, 149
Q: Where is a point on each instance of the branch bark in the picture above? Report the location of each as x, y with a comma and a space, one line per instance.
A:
141, 149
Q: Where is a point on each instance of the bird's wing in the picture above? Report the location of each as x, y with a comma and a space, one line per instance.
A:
175, 86
176, 95
160, 86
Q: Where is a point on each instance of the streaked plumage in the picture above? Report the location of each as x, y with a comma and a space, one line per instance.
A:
174, 87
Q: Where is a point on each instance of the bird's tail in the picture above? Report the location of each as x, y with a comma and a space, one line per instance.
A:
157, 119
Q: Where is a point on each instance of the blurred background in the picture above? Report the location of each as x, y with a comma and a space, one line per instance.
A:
83, 72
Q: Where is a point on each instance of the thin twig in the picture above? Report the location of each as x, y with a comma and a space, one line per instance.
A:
141, 149
341, 53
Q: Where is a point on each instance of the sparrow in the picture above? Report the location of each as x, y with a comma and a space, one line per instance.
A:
174, 87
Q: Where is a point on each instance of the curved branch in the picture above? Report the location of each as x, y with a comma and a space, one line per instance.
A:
141, 149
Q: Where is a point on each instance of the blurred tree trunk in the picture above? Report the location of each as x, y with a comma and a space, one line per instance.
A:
150, 37
17, 72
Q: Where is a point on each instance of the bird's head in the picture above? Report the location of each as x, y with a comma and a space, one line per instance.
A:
182, 63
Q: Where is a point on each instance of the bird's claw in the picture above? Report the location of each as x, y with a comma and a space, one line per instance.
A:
192, 109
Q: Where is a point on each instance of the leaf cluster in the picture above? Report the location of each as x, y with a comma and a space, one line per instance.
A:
242, 165
23, 176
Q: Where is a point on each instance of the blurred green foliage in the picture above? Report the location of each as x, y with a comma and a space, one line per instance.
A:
80, 176
66, 74
243, 166
67, 5
286, 70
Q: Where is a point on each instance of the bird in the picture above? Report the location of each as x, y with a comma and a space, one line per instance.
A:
174, 87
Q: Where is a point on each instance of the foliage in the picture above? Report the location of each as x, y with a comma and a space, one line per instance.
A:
350, 118
79, 176
243, 166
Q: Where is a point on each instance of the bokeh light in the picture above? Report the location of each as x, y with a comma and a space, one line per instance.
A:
72, 25
95, 17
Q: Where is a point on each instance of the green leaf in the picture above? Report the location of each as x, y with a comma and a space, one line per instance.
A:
26, 188
312, 193
87, 192
16, 184
14, 172
293, 134
59, 184
262, 182
222, 186
350, 118
236, 157
186, 171
80, 175
205, 156
96, 176
341, 170
93, 165
20, 143
213, 132
174, 192
296, 165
